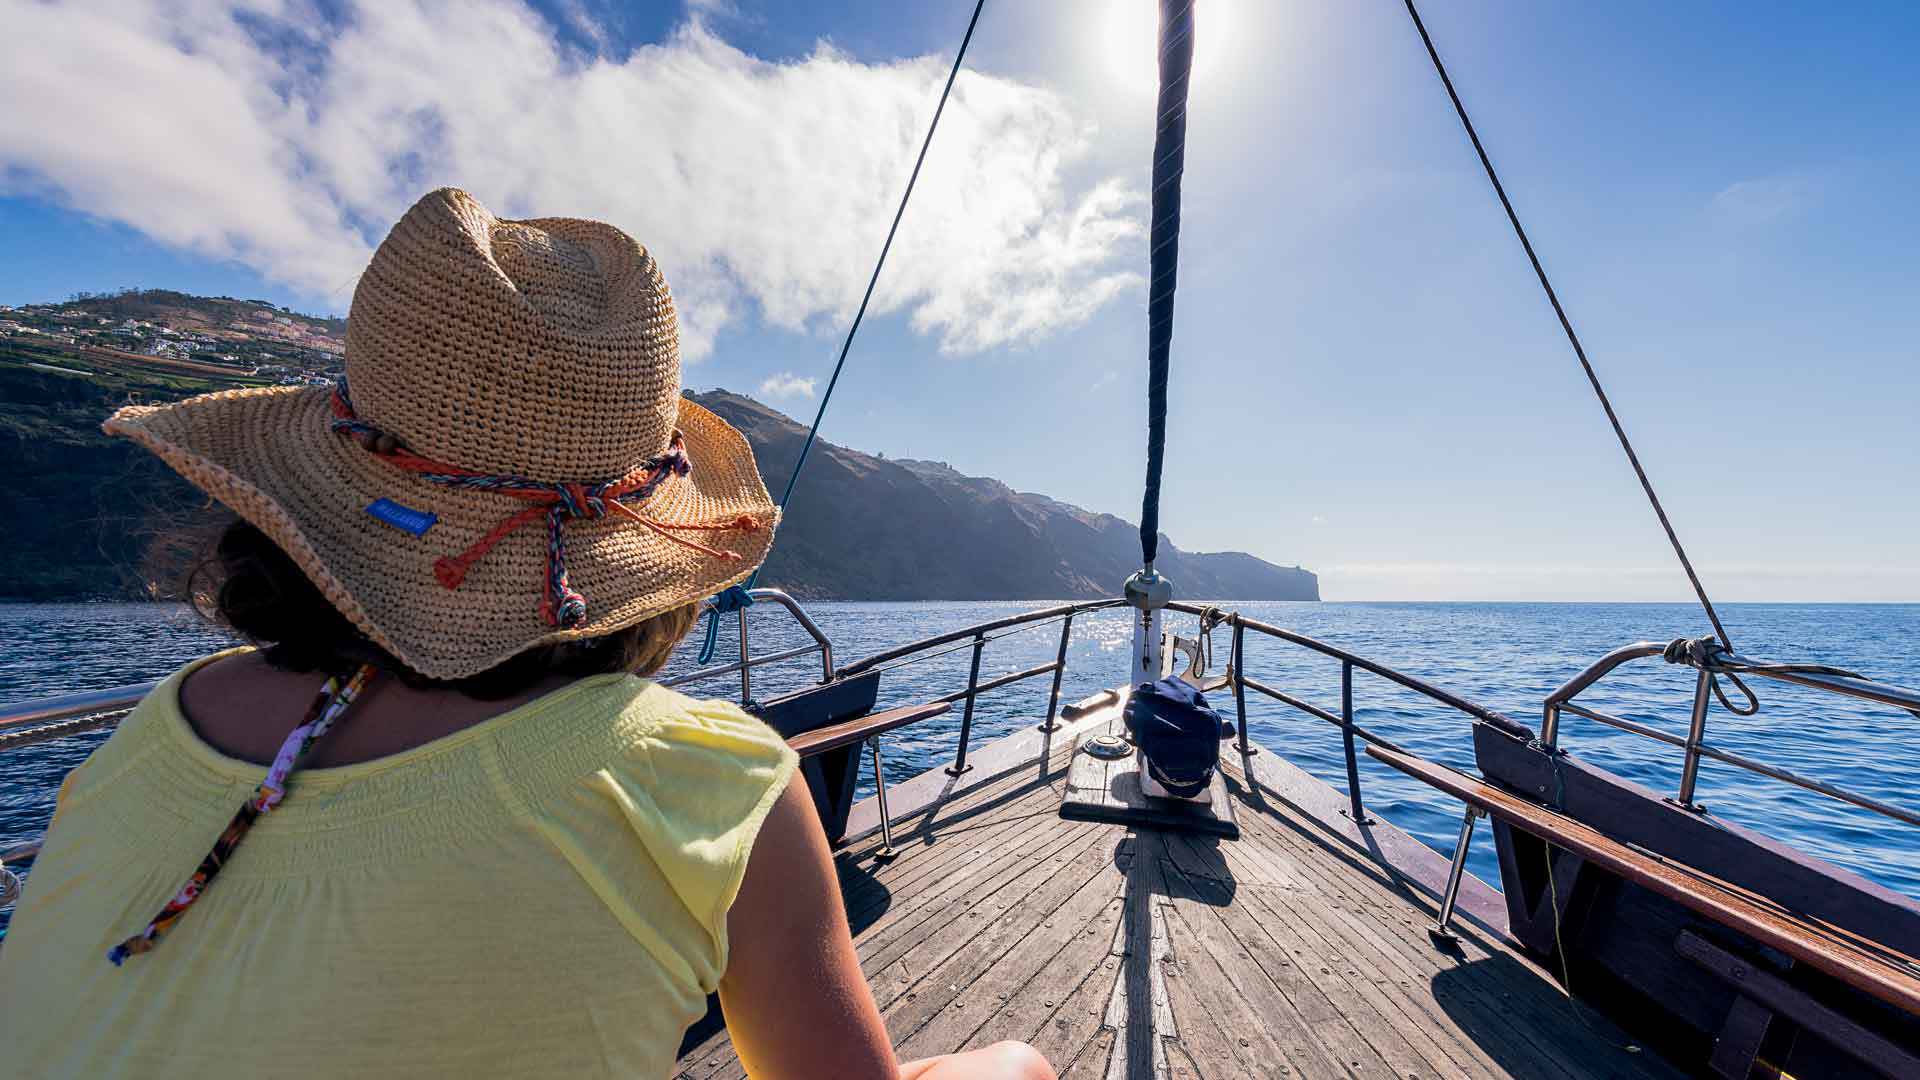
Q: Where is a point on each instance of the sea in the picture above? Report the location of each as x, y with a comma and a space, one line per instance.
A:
1502, 655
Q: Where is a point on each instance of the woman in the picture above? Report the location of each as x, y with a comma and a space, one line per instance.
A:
484, 843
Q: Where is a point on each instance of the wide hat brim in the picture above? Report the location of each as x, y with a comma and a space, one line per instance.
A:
270, 455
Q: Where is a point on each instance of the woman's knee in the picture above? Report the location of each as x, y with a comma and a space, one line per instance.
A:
1017, 1061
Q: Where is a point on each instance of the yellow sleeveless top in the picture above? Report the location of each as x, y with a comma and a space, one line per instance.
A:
542, 894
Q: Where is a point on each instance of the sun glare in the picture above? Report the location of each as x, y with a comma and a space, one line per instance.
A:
1131, 35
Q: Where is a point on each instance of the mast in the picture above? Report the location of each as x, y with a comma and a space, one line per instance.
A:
1147, 591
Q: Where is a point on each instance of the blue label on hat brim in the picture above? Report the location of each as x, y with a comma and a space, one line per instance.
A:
404, 518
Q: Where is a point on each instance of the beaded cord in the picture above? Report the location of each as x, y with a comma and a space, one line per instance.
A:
335, 696
560, 604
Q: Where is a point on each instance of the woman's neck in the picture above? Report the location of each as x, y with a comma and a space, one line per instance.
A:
244, 709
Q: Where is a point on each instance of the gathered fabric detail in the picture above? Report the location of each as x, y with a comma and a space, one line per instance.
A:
335, 697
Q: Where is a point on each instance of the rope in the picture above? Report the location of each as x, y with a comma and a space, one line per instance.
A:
1573, 339
713, 620
1706, 655
1163, 259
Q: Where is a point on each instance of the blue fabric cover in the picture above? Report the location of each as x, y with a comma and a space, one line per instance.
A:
1178, 734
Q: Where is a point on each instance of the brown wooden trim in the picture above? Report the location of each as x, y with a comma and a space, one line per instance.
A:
1861, 964
849, 732
1776, 995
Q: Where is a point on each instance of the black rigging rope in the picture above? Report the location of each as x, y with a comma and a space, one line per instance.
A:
1566, 324
1169, 161
732, 600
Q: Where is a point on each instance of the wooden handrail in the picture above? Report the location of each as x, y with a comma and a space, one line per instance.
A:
852, 732
1862, 964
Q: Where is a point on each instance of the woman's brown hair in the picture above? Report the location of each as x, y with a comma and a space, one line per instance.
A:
247, 584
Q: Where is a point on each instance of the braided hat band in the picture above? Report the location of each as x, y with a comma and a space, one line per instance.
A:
491, 363
558, 503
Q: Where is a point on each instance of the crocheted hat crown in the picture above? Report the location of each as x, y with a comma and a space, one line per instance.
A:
547, 349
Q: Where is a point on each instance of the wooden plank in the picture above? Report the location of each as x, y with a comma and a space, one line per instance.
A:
884, 899
1138, 1009
939, 973
1078, 1020
1822, 948
915, 864
1050, 1002
1300, 947
1514, 1010
1091, 1062
974, 855
1379, 990
968, 821
951, 924
1501, 1006
1220, 979
914, 990
1276, 787
1363, 980
962, 896
1028, 750
1059, 952
848, 732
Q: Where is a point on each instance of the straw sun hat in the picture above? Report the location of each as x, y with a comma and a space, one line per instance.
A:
509, 461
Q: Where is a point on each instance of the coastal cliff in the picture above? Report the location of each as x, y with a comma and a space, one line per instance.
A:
876, 528
82, 511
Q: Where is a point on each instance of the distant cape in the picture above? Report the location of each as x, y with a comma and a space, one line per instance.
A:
870, 528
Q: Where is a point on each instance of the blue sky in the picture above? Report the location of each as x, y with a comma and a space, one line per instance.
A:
1366, 380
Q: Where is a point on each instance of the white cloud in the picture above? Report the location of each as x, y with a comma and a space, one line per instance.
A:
1761, 201
287, 142
786, 385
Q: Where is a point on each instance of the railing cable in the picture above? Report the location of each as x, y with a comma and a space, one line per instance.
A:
713, 621
1566, 324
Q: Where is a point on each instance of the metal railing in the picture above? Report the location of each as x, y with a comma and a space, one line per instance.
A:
748, 662
977, 637
1694, 746
1350, 729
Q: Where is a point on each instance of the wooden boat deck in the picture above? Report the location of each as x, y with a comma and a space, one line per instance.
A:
1123, 953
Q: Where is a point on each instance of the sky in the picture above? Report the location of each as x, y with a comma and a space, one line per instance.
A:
1366, 379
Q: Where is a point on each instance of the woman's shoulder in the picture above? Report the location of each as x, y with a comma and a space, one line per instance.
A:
687, 755
681, 791
642, 716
